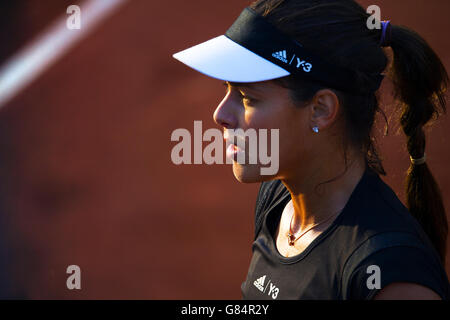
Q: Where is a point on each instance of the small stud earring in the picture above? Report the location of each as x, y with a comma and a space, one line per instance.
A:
316, 129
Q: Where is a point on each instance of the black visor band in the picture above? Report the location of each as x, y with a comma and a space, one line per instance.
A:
258, 35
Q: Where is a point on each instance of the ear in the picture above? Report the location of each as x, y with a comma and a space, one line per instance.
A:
324, 109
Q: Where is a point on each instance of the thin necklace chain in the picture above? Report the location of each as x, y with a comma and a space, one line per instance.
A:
291, 236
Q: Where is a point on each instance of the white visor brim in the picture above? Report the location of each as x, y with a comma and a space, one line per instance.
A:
224, 59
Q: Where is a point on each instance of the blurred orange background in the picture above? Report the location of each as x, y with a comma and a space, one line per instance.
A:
85, 167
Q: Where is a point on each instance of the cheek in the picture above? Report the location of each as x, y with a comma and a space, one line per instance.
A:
255, 118
289, 120
294, 138
292, 126
267, 115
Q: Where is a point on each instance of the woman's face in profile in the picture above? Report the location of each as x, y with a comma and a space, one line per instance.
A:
265, 105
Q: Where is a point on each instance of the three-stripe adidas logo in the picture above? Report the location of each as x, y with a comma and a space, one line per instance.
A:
280, 55
259, 283
273, 290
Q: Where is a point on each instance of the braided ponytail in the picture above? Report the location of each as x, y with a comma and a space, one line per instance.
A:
420, 81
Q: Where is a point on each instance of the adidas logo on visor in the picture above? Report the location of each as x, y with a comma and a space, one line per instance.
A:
280, 55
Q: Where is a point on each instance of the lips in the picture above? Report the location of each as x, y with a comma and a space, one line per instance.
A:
232, 151
235, 145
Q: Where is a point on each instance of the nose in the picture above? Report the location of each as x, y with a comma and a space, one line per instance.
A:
225, 113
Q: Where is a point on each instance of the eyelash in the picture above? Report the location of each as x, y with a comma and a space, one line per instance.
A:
244, 98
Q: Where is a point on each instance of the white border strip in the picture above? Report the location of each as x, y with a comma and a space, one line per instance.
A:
28, 64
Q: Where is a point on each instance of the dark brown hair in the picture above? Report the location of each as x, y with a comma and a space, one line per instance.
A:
337, 31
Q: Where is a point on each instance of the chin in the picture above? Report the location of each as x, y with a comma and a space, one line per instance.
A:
249, 173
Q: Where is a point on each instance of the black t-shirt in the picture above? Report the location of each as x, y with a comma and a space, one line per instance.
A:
373, 242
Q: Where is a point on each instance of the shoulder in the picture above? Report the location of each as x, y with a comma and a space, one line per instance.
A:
375, 210
395, 269
386, 244
377, 207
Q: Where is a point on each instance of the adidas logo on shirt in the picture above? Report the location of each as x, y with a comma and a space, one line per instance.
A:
259, 283
280, 55
273, 290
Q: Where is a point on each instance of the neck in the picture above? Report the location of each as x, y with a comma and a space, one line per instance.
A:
310, 205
